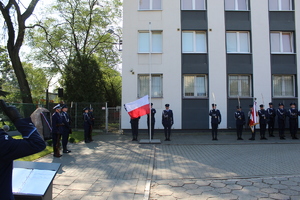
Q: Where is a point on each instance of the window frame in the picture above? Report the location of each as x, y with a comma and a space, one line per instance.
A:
151, 35
150, 6
282, 85
279, 4
236, 6
239, 94
194, 5
206, 86
281, 42
152, 75
194, 42
238, 42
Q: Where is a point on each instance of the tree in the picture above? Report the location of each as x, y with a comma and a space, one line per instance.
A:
16, 33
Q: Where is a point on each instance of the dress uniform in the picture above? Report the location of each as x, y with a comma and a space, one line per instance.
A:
66, 128
262, 113
281, 115
240, 121
167, 121
91, 114
86, 125
215, 121
249, 118
271, 114
135, 128
293, 120
153, 112
11, 149
57, 130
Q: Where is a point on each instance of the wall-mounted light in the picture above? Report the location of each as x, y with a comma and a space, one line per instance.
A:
132, 72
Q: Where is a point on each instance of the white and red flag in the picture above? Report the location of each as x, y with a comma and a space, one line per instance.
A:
138, 108
253, 117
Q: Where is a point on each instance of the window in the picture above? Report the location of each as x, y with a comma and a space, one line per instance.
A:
283, 86
282, 42
149, 4
275, 5
236, 5
194, 42
195, 86
239, 85
238, 42
156, 42
193, 5
156, 85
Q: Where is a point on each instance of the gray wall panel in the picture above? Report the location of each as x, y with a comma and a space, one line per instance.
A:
283, 64
232, 103
239, 64
194, 63
282, 20
195, 114
194, 20
237, 21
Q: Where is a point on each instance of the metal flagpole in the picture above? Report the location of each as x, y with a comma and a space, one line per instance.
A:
150, 80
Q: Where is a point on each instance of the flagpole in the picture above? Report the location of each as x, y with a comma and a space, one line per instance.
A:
150, 80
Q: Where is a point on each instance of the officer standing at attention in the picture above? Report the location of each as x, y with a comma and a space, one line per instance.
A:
57, 130
215, 121
281, 114
293, 120
86, 124
271, 114
153, 111
262, 113
66, 128
135, 128
167, 121
249, 118
11, 149
240, 121
91, 114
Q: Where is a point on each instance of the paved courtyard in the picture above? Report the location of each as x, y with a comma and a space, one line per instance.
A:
191, 166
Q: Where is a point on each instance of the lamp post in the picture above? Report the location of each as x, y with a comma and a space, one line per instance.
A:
111, 31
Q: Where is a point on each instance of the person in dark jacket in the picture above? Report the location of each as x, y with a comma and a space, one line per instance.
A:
56, 130
293, 120
271, 114
215, 121
262, 113
86, 125
91, 114
153, 111
135, 128
11, 149
240, 121
281, 115
66, 128
167, 121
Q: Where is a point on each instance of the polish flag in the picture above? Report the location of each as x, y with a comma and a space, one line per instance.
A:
253, 117
138, 108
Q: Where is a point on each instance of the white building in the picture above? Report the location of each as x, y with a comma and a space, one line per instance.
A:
203, 49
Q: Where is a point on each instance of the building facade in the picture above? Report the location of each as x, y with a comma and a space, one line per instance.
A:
201, 52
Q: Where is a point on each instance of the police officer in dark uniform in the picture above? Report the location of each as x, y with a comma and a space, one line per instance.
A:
262, 113
153, 111
271, 114
281, 115
135, 128
66, 128
11, 149
91, 114
293, 120
215, 120
86, 125
57, 130
240, 121
167, 121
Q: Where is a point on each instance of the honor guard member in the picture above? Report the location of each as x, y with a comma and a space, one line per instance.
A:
215, 121
167, 121
271, 114
57, 130
66, 128
135, 128
86, 125
262, 113
240, 121
91, 114
249, 118
153, 111
293, 120
281, 115
11, 149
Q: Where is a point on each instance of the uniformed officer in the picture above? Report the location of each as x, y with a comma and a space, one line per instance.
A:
153, 111
86, 125
271, 114
262, 113
240, 121
167, 121
135, 128
249, 119
57, 130
215, 120
11, 149
293, 120
91, 114
66, 129
281, 115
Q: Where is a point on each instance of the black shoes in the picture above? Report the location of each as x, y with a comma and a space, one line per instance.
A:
134, 139
282, 138
240, 138
251, 138
214, 139
67, 151
167, 139
87, 141
271, 135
